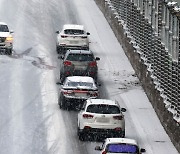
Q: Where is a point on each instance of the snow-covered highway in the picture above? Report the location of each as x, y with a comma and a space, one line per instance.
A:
30, 119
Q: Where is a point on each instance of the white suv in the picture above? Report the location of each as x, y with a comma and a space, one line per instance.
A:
120, 146
101, 117
72, 36
6, 39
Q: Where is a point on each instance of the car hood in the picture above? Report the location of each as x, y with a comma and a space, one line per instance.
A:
4, 34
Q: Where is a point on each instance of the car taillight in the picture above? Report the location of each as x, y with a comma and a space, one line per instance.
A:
118, 129
93, 64
83, 36
87, 127
64, 36
104, 152
88, 116
66, 92
118, 117
67, 63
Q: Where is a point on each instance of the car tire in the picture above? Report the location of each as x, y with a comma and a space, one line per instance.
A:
57, 49
62, 103
9, 51
80, 135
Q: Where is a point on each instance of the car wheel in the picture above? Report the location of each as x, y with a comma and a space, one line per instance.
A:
57, 49
123, 134
62, 103
9, 51
80, 135
62, 78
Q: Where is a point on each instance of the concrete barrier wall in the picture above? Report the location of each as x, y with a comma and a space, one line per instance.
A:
170, 125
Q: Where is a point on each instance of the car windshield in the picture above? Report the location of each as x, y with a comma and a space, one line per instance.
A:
76, 84
122, 148
4, 28
80, 57
103, 109
73, 31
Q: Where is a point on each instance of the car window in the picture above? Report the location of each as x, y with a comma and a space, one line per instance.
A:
80, 57
73, 31
122, 148
103, 109
4, 28
76, 84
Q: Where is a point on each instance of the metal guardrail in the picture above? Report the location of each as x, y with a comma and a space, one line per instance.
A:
154, 29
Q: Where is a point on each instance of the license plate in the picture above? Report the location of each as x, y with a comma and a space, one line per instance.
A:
81, 94
102, 120
73, 42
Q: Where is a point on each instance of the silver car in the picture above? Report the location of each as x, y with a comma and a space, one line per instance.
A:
78, 63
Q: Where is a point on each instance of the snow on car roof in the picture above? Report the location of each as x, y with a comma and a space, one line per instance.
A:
3, 23
80, 79
121, 140
73, 26
102, 101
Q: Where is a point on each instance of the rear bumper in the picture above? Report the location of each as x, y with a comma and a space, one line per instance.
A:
103, 132
66, 47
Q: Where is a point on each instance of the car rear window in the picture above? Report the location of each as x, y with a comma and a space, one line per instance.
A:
80, 57
4, 28
103, 109
74, 31
76, 84
122, 148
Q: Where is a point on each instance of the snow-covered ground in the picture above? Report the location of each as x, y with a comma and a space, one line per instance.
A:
30, 119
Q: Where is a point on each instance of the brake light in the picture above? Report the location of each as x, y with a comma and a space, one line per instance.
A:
118, 117
87, 127
93, 64
88, 116
117, 129
83, 36
67, 63
104, 152
64, 36
66, 92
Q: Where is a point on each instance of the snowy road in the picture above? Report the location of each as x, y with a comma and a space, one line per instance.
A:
30, 119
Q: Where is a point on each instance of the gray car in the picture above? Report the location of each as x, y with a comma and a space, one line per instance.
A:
79, 63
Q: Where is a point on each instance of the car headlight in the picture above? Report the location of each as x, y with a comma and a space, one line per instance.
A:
9, 39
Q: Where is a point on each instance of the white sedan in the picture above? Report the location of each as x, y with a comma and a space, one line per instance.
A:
72, 36
101, 117
75, 90
120, 146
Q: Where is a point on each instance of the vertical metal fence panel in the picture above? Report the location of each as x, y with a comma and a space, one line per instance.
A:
153, 26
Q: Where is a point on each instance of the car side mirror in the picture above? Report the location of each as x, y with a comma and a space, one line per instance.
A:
88, 33
11, 31
97, 58
57, 32
98, 148
59, 83
123, 109
143, 150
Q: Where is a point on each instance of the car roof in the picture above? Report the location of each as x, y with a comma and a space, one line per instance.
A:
79, 51
121, 140
3, 23
73, 26
80, 79
102, 101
